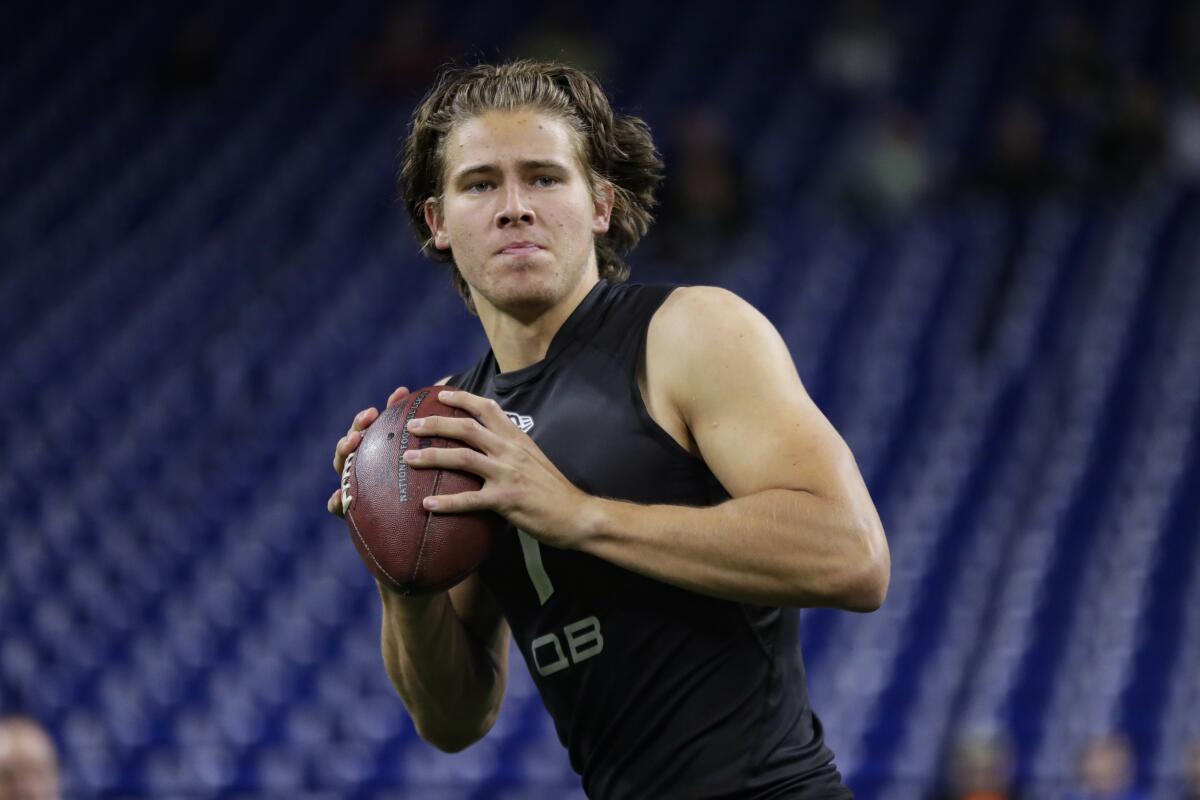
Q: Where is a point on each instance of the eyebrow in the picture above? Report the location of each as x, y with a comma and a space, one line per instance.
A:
524, 165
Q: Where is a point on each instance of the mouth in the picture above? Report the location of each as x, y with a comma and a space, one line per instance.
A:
519, 249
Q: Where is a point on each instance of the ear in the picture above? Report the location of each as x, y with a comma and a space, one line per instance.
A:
603, 199
433, 218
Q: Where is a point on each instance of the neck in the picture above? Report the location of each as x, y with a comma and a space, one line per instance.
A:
519, 340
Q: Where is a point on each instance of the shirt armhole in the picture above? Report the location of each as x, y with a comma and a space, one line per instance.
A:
639, 403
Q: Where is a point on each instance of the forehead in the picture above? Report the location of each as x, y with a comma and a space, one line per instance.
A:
496, 137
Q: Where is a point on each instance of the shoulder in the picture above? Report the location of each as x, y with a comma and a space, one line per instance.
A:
673, 362
704, 340
708, 325
706, 311
702, 298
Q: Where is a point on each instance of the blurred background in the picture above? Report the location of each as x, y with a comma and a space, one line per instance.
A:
975, 223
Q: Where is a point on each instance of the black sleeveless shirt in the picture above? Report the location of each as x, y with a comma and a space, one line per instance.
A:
656, 692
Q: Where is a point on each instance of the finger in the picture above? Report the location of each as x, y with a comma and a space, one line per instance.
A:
397, 396
339, 454
334, 505
458, 503
364, 418
345, 446
484, 409
465, 429
461, 458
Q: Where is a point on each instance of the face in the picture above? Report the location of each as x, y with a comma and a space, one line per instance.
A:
1106, 767
517, 211
981, 765
28, 766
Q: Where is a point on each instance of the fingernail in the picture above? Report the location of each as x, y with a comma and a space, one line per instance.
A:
431, 503
411, 455
416, 424
445, 395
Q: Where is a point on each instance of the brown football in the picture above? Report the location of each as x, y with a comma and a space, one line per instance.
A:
409, 549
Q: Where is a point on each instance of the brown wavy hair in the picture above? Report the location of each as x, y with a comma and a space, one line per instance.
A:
614, 150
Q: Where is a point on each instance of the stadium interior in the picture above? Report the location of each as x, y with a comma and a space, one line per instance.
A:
206, 274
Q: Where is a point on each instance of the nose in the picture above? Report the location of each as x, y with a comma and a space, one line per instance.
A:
516, 208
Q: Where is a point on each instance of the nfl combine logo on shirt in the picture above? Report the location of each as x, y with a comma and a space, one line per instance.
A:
525, 423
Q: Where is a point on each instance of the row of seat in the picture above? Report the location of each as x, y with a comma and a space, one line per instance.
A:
238, 284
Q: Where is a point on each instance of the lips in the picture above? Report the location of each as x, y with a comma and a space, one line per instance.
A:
519, 249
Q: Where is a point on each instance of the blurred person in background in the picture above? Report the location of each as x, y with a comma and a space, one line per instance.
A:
1183, 134
1105, 770
857, 51
1191, 787
705, 203
564, 33
1017, 169
403, 54
1185, 56
980, 767
1072, 71
891, 170
28, 761
1130, 143
1183, 83
1017, 172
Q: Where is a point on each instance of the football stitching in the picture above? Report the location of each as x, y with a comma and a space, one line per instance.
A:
437, 479
371, 553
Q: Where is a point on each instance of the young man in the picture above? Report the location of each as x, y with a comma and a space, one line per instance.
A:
673, 492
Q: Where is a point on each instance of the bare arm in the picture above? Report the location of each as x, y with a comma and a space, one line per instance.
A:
777, 547
800, 529
446, 653
447, 656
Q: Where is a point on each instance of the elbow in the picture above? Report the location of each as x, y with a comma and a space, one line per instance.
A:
865, 586
867, 594
449, 743
455, 738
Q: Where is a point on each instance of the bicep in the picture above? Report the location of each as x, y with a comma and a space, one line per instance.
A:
738, 392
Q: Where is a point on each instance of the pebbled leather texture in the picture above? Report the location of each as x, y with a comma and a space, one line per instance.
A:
409, 549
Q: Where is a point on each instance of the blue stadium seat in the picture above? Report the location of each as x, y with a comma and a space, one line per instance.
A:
197, 296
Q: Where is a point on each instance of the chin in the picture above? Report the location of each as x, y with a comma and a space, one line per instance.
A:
526, 299
526, 284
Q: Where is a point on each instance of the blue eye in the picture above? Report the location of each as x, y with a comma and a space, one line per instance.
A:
476, 188
546, 180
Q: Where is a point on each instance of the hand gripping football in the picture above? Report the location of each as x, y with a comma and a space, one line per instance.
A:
408, 549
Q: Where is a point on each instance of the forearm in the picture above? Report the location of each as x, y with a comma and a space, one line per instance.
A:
447, 680
777, 547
